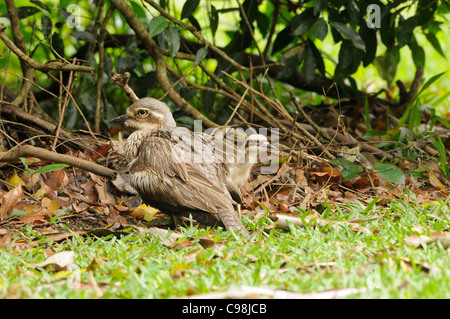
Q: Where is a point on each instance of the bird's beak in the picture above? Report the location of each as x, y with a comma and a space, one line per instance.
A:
268, 146
121, 118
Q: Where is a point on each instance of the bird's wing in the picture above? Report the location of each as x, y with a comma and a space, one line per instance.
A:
159, 173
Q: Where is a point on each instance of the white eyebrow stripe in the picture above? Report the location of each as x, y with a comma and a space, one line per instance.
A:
156, 114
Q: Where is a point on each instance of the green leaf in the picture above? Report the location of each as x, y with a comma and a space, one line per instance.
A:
173, 39
350, 170
200, 55
157, 25
387, 30
319, 29
431, 81
370, 206
435, 43
426, 10
263, 23
189, 8
309, 66
369, 37
349, 34
46, 25
439, 146
40, 4
22, 159
318, 57
25, 12
418, 54
291, 59
18, 212
387, 64
57, 43
49, 168
302, 22
405, 30
283, 38
391, 173
213, 20
319, 6
353, 11
194, 22
137, 10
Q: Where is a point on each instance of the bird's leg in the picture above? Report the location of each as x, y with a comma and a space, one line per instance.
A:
176, 221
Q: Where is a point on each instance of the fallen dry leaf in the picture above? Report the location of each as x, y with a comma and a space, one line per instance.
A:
14, 180
9, 201
413, 240
37, 217
50, 193
57, 179
105, 196
99, 151
6, 239
49, 204
59, 261
144, 212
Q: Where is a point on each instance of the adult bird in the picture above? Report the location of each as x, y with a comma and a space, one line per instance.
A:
175, 170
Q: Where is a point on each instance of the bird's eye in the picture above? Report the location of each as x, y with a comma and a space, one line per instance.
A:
142, 113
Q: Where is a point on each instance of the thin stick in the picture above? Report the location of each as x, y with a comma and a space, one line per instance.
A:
101, 57
63, 109
28, 150
237, 107
52, 66
76, 105
122, 82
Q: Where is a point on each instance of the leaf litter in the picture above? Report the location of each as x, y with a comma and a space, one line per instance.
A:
43, 198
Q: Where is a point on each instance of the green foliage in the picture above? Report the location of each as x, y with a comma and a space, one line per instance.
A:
189, 8
157, 25
439, 145
296, 33
349, 170
391, 173
49, 168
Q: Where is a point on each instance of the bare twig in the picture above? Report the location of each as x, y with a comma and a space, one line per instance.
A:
28, 150
308, 119
198, 35
12, 109
88, 126
160, 62
63, 109
101, 57
52, 66
27, 71
408, 97
122, 82
236, 108
276, 11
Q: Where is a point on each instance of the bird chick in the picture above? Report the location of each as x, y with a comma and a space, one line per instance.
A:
240, 150
255, 144
164, 178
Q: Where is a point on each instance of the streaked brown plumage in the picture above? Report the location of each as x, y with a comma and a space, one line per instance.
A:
164, 179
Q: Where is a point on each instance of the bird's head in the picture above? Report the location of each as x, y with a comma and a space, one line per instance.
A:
147, 114
258, 141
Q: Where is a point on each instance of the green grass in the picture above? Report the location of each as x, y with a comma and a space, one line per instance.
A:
301, 260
